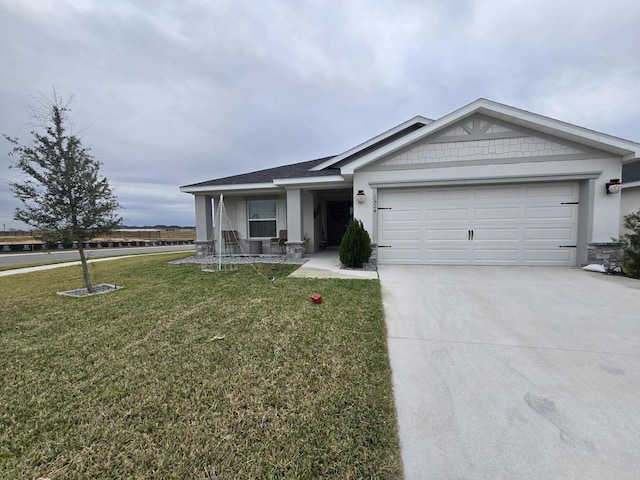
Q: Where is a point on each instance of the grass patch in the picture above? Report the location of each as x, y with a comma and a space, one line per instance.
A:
185, 374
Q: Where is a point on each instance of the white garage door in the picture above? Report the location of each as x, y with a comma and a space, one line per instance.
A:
523, 224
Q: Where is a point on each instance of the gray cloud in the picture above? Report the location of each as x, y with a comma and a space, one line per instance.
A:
169, 93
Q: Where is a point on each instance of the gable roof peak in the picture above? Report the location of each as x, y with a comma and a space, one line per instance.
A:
628, 150
382, 139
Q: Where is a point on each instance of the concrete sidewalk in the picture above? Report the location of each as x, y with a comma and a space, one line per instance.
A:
39, 268
326, 264
319, 265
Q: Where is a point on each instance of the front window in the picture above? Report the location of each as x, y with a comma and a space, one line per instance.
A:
262, 218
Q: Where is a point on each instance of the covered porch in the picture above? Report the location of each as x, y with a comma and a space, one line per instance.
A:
293, 220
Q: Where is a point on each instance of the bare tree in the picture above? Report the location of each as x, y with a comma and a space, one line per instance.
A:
62, 192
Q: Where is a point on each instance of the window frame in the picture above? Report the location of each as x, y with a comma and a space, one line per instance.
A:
262, 220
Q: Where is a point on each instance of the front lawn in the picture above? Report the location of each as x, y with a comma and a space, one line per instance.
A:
187, 374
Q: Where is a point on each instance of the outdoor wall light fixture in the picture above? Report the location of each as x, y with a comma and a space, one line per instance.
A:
360, 196
614, 186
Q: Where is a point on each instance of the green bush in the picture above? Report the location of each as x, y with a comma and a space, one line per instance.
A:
631, 244
355, 247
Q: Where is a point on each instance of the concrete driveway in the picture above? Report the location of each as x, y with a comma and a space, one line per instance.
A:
514, 372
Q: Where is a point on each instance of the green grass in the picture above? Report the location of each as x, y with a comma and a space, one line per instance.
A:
187, 374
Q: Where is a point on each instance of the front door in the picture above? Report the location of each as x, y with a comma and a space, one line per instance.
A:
338, 216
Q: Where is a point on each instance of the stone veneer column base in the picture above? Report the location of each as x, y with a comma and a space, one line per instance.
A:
608, 254
205, 248
295, 249
373, 260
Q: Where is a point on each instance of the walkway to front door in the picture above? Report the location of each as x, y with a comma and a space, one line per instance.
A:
326, 264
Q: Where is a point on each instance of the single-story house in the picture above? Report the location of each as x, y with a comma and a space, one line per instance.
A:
487, 184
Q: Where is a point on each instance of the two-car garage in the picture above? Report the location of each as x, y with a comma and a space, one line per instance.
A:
508, 224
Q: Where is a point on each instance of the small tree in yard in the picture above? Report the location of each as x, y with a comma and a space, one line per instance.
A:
631, 244
62, 192
355, 247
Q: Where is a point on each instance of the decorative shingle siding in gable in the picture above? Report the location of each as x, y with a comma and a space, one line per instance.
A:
494, 149
482, 139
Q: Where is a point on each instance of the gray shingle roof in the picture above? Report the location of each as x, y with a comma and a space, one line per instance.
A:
631, 172
294, 170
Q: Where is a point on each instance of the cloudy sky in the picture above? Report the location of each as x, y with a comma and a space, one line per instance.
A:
168, 93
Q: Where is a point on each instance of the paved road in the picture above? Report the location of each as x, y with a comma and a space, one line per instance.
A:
30, 258
514, 372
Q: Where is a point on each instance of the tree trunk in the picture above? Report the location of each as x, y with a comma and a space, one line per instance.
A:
85, 269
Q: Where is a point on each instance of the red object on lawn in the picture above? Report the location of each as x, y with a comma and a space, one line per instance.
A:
316, 298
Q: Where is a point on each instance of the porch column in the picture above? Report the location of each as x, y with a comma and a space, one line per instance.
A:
295, 242
204, 226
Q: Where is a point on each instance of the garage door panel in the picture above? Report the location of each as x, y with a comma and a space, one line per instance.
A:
401, 215
446, 234
402, 235
493, 256
445, 214
398, 255
566, 212
447, 255
522, 224
559, 190
550, 233
502, 194
402, 197
496, 213
446, 195
496, 233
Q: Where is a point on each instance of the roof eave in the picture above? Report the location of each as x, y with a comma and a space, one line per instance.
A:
276, 184
631, 157
559, 128
309, 181
398, 128
227, 188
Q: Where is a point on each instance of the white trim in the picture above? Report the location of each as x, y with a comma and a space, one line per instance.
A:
556, 128
288, 182
631, 184
487, 180
249, 219
618, 146
398, 128
418, 237
483, 162
226, 188
277, 184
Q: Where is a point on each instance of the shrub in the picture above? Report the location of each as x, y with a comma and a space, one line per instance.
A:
631, 244
355, 247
